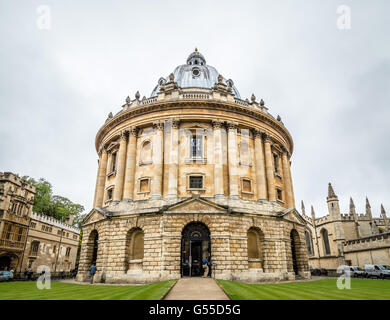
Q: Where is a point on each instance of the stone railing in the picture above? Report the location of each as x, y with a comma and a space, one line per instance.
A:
11, 244
54, 222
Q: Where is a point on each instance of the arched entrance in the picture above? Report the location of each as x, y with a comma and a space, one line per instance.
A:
294, 241
93, 247
5, 263
195, 246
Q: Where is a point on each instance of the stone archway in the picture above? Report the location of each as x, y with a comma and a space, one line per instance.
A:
92, 247
5, 263
195, 246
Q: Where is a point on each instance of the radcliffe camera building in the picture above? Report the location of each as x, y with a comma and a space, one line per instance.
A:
194, 171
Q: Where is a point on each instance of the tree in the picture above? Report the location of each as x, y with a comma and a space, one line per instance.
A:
55, 206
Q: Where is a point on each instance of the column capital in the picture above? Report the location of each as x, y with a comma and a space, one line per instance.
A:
124, 135
231, 125
133, 131
257, 134
158, 125
267, 137
285, 151
175, 123
216, 123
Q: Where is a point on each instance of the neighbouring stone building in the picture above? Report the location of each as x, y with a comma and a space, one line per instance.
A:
29, 239
194, 171
346, 239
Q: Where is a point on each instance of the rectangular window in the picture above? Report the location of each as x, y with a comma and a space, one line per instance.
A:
196, 182
113, 168
196, 148
246, 185
276, 163
279, 194
144, 185
109, 193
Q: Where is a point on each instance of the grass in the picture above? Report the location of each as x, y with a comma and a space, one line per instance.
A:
65, 291
361, 289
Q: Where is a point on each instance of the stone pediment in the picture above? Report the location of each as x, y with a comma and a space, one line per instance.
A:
196, 206
292, 215
94, 215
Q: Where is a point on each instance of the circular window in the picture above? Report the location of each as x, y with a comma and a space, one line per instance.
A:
195, 72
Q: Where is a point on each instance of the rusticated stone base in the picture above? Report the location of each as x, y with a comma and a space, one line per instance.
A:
228, 224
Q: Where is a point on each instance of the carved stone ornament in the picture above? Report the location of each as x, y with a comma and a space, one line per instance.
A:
262, 102
232, 125
217, 124
171, 77
253, 97
133, 131
220, 78
257, 133
175, 123
128, 100
159, 125
137, 95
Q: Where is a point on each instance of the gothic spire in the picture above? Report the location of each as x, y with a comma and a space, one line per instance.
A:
303, 208
331, 193
368, 209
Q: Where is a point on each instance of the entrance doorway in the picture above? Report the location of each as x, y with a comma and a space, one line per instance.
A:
5, 263
195, 246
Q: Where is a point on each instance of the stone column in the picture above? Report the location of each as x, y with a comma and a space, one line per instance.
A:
232, 159
269, 168
120, 172
158, 149
218, 156
291, 184
287, 180
174, 160
260, 167
128, 192
101, 180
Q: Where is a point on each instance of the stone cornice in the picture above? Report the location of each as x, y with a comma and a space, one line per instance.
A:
211, 104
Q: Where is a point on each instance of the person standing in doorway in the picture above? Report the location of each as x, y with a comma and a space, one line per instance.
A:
205, 267
92, 271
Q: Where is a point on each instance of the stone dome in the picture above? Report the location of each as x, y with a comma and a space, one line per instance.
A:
195, 74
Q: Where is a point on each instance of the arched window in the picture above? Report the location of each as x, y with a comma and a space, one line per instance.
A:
325, 240
146, 152
309, 245
255, 250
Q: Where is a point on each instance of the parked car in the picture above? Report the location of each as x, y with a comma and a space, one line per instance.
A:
6, 275
319, 272
376, 271
355, 271
385, 266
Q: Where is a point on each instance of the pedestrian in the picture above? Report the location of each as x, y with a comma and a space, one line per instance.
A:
205, 267
29, 274
92, 271
25, 274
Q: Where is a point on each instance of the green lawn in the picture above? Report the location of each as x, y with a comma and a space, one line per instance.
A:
361, 289
65, 291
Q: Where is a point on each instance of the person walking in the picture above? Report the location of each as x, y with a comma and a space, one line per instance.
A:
205, 267
92, 271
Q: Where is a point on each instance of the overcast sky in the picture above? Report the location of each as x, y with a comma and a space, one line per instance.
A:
329, 85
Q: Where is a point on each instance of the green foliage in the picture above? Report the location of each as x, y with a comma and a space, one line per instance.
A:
53, 205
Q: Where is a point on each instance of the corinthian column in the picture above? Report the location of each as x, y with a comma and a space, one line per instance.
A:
269, 168
218, 168
260, 167
128, 191
120, 172
158, 150
101, 179
174, 160
287, 180
232, 159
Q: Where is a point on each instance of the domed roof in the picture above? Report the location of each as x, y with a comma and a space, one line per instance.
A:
195, 74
